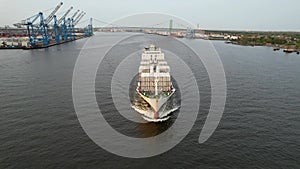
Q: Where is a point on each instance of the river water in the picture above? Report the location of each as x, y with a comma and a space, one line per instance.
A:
39, 128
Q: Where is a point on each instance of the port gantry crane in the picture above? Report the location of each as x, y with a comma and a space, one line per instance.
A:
31, 30
57, 27
67, 27
75, 22
64, 26
69, 24
61, 29
34, 31
88, 31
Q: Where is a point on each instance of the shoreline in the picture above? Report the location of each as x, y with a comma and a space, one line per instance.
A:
285, 49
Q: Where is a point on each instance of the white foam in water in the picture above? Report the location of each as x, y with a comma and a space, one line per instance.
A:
156, 120
147, 114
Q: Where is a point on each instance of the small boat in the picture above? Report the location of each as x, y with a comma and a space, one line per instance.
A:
287, 50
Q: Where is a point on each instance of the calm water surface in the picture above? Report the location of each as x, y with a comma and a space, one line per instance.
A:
39, 128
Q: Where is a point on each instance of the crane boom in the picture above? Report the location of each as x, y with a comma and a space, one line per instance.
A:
50, 17
25, 21
76, 22
77, 17
64, 16
74, 14
40, 15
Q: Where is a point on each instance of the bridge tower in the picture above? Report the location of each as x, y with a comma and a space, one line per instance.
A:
171, 26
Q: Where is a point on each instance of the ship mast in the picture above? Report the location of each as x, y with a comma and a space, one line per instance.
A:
156, 96
156, 86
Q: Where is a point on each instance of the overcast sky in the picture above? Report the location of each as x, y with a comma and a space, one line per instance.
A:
209, 14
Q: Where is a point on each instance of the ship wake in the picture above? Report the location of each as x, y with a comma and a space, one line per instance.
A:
146, 114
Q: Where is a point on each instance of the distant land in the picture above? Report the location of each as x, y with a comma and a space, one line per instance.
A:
289, 41
282, 39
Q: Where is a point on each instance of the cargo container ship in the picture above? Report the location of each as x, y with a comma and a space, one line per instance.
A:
154, 85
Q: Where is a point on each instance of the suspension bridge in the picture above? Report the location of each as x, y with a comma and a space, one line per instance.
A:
165, 28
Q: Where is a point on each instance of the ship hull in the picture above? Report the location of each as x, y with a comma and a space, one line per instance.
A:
156, 112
